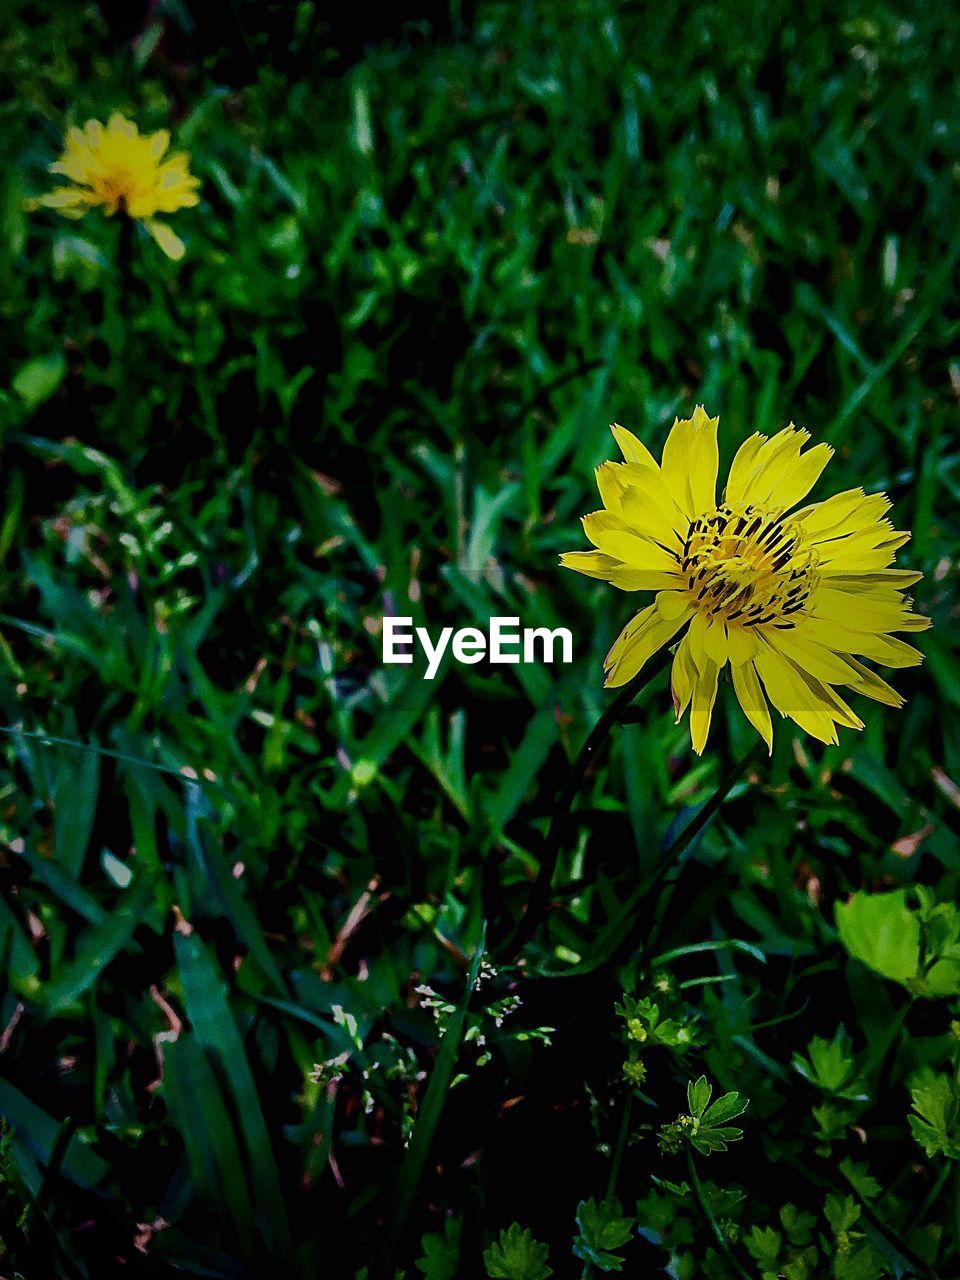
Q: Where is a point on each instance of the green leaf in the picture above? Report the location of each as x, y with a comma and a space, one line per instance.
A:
39, 378
935, 1101
98, 946
842, 1214
763, 1245
216, 1030
602, 1230
74, 807
724, 1109
516, 1255
798, 1226
698, 1096
881, 931
201, 1114
441, 1252
411, 1170
829, 1063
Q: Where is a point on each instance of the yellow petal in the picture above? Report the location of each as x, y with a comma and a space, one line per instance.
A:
796, 480
670, 604
792, 697
639, 640
815, 658
742, 645
701, 706
633, 450
683, 676
746, 686
859, 612
690, 462
121, 126
871, 686
715, 644
159, 142
742, 469
609, 534
649, 506
170, 243
610, 485
594, 564
697, 636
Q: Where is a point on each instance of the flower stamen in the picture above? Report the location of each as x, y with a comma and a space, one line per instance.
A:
746, 566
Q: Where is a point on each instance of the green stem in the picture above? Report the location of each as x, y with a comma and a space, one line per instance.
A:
676, 850
723, 1243
125, 270
621, 1147
561, 821
414, 1162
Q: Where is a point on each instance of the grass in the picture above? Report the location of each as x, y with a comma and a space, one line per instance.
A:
431, 263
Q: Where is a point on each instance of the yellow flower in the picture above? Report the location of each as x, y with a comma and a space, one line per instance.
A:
124, 171
791, 601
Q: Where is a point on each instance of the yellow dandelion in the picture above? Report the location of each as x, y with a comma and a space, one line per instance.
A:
124, 172
791, 601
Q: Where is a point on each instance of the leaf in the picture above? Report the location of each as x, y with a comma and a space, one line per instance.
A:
210, 860
200, 1113
602, 1230
841, 1214
829, 1063
441, 1252
881, 931
517, 1256
98, 946
763, 1245
35, 1133
936, 1104
411, 1170
857, 1174
724, 1109
698, 1096
74, 807
215, 1029
39, 378
798, 1226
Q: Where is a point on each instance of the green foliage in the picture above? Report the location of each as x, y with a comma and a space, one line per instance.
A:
830, 1065
704, 1127
441, 1252
919, 948
516, 1255
935, 1099
602, 1231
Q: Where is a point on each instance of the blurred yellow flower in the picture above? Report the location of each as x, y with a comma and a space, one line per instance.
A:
792, 602
124, 172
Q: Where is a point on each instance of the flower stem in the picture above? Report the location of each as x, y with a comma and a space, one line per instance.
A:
722, 1242
621, 1147
561, 821
125, 268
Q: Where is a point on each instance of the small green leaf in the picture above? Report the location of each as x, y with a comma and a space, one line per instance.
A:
936, 1104
602, 1230
698, 1096
441, 1252
763, 1245
517, 1256
39, 378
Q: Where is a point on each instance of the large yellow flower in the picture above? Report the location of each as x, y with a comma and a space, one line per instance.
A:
790, 601
124, 171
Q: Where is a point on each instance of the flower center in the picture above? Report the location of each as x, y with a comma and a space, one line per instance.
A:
114, 188
746, 567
